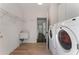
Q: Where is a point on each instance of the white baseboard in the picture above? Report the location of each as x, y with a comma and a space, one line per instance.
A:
29, 41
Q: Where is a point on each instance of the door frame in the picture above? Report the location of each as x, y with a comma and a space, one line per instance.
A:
46, 28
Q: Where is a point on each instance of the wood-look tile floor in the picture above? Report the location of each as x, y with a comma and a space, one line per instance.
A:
32, 49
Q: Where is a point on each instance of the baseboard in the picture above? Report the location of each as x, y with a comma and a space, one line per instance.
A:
30, 41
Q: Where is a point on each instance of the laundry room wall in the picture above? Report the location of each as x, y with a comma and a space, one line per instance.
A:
13, 8
31, 12
10, 27
53, 13
67, 11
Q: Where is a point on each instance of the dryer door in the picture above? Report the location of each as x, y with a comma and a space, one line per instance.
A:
50, 39
50, 32
66, 41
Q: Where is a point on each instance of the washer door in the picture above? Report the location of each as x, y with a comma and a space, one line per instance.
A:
66, 41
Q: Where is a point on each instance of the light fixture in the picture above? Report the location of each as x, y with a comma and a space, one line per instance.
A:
40, 3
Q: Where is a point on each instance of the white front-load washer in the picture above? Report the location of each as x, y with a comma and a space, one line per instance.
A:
67, 37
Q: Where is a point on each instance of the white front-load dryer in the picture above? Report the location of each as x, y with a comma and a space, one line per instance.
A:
67, 37
51, 38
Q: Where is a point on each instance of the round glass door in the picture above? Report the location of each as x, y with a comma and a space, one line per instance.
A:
64, 40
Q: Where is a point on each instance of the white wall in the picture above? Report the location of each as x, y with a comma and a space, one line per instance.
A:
53, 13
10, 26
31, 12
13, 8
68, 10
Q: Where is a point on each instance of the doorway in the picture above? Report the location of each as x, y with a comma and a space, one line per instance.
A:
42, 27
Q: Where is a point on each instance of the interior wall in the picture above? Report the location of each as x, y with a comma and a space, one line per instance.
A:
53, 13
68, 10
13, 8
10, 27
31, 12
